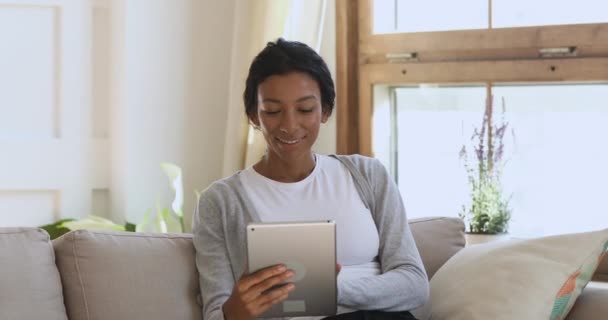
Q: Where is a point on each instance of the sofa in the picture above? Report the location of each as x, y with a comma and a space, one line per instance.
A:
90, 275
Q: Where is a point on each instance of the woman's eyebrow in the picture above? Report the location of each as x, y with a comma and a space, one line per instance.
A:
272, 100
307, 98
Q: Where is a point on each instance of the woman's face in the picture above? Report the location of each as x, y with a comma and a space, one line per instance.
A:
289, 114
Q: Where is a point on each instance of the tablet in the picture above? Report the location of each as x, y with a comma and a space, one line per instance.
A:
307, 248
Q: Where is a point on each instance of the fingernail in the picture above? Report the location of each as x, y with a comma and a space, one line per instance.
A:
290, 274
281, 268
291, 286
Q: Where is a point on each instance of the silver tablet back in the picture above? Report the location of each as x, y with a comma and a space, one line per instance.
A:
309, 249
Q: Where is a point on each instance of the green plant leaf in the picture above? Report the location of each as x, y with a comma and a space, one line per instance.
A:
175, 175
56, 230
169, 222
92, 223
130, 227
144, 225
162, 221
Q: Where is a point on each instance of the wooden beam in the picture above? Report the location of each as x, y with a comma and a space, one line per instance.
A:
537, 70
584, 35
487, 54
347, 69
366, 108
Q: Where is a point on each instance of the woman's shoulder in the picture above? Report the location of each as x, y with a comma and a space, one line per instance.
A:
364, 164
222, 189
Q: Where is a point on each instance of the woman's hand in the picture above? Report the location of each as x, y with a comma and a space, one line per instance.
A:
250, 296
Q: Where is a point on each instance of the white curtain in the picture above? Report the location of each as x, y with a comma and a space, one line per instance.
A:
258, 22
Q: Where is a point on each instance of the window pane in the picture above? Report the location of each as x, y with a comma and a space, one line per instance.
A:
432, 123
429, 15
384, 16
555, 156
520, 13
557, 169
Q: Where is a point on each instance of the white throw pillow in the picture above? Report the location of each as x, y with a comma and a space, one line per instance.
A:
518, 279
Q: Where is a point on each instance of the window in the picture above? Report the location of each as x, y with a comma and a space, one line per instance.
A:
523, 13
394, 16
554, 155
391, 16
415, 89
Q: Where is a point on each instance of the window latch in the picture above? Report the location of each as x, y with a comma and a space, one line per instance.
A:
401, 57
557, 52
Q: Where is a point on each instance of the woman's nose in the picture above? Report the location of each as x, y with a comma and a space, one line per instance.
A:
288, 122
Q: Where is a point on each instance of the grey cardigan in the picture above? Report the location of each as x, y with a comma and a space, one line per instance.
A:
224, 211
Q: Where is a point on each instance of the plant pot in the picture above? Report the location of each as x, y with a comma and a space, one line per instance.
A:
479, 238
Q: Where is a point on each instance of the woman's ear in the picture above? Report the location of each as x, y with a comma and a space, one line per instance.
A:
254, 121
325, 116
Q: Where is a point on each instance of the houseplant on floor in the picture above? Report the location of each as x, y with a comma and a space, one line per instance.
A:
488, 213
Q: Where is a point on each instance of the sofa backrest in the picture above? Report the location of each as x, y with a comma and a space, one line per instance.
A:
124, 275
119, 275
30, 287
437, 239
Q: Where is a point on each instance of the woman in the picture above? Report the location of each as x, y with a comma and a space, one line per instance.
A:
289, 93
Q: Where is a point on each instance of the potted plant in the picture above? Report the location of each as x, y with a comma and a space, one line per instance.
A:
488, 213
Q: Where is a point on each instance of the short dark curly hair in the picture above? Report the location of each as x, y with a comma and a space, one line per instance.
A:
282, 57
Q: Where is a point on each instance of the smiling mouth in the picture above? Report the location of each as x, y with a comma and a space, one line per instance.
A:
289, 141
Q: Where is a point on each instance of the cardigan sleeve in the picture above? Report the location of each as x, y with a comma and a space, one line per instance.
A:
402, 284
212, 261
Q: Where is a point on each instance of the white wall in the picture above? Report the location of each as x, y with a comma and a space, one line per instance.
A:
48, 149
170, 85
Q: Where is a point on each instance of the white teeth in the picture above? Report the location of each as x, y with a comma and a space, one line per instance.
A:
289, 141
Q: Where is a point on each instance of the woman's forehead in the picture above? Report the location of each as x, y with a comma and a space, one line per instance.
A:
295, 86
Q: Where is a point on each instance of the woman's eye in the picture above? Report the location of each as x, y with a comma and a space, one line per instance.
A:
307, 110
270, 113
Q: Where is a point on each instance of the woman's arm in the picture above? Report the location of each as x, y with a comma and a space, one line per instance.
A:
215, 273
402, 284
222, 297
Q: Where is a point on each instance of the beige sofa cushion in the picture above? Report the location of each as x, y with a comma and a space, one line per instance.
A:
516, 279
437, 239
121, 275
30, 287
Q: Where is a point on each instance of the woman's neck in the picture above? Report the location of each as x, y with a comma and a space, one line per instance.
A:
294, 170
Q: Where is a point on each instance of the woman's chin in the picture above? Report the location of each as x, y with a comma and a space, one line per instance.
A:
293, 150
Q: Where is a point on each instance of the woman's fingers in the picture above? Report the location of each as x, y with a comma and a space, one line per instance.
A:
247, 281
268, 283
275, 296
266, 300
255, 293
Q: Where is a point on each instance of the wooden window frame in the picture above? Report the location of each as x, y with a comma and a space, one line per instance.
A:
506, 55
